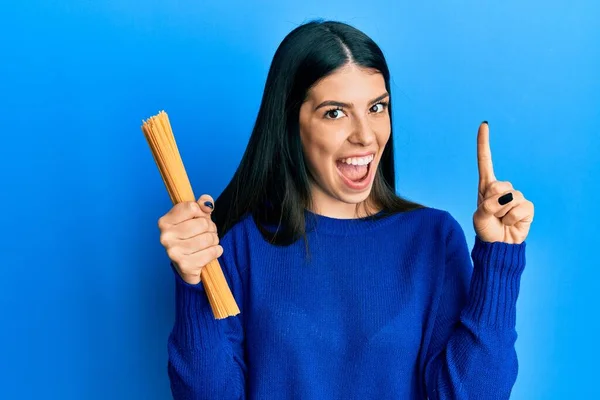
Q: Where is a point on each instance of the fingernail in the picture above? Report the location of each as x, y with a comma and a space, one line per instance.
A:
209, 204
485, 122
507, 198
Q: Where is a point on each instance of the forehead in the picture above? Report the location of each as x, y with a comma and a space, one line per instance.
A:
348, 83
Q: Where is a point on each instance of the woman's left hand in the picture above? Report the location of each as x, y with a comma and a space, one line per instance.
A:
498, 218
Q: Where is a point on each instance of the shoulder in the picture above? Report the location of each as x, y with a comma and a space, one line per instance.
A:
239, 230
452, 235
436, 225
430, 219
444, 219
237, 241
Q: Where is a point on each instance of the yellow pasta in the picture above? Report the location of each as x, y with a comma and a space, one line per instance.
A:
159, 135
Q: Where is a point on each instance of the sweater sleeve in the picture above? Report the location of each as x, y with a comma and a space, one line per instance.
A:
206, 355
471, 354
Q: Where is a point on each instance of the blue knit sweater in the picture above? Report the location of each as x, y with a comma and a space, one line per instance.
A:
387, 309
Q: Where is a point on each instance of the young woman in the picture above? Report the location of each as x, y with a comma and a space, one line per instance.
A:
379, 300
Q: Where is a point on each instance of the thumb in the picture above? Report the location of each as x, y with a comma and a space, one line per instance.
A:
206, 203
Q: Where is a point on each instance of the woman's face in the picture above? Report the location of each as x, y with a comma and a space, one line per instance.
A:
343, 143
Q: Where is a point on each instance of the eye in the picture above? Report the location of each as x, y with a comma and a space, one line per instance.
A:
336, 110
383, 105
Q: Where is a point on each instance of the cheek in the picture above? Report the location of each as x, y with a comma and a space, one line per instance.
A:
317, 154
322, 142
383, 131
383, 138
312, 151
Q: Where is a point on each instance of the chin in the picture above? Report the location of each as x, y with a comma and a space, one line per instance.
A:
355, 198
350, 197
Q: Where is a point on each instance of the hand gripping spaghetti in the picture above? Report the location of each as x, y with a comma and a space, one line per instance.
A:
158, 133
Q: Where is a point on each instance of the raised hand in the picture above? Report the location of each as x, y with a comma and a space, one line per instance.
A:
190, 237
503, 214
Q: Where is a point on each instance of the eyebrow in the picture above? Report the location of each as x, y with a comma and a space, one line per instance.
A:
348, 105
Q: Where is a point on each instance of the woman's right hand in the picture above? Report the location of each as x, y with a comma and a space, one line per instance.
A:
190, 237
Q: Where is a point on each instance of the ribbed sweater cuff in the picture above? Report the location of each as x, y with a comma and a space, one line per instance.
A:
195, 326
495, 283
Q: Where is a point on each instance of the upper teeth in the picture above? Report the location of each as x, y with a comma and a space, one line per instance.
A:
358, 160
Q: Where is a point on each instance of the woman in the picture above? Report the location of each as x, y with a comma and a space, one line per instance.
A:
380, 299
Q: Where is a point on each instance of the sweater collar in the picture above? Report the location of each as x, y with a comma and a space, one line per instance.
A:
344, 226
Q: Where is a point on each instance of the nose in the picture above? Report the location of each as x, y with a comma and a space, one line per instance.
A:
362, 133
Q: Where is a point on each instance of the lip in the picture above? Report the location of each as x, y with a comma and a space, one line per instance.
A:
360, 185
357, 155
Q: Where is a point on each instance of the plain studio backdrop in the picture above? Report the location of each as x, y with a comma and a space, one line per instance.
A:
86, 292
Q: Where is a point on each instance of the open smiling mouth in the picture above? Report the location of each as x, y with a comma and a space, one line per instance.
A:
355, 170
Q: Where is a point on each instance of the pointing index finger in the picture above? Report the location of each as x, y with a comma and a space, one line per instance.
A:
484, 155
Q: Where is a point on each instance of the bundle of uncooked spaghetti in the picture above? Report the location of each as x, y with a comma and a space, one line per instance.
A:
158, 133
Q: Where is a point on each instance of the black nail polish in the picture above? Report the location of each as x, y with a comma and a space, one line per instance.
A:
209, 204
507, 198
485, 122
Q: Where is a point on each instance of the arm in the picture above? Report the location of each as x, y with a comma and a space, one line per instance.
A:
471, 354
206, 355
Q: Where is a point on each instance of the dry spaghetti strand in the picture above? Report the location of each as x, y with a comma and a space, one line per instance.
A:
159, 135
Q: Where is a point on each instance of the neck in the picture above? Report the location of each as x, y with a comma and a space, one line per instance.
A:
341, 210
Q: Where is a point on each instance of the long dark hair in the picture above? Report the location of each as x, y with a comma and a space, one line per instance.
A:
271, 181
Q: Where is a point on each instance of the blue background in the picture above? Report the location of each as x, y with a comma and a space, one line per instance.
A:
86, 294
